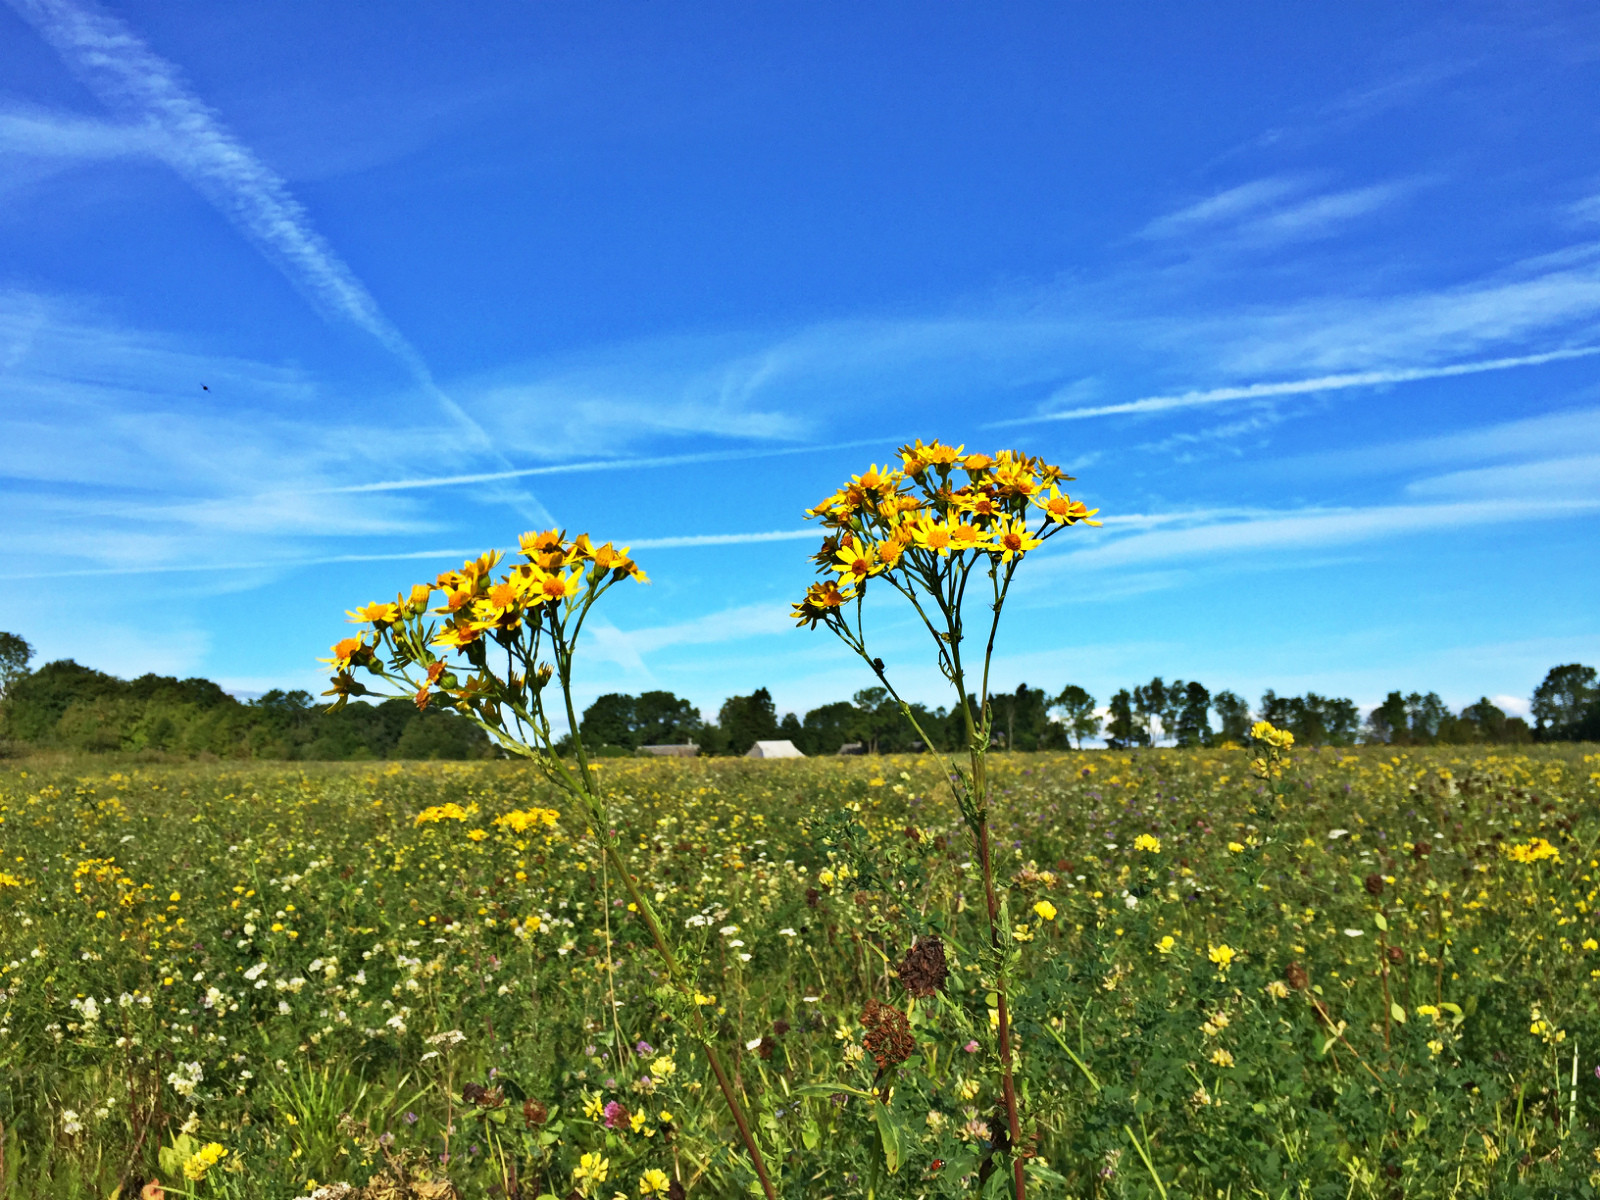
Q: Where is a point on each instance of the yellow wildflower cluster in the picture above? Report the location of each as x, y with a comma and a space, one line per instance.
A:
1274, 744
590, 1172
443, 812
202, 1160
916, 519
1533, 851
556, 577
520, 820
1148, 843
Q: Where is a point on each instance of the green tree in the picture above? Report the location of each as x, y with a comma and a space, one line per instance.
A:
828, 727
1191, 724
15, 654
1389, 723
1233, 717
1423, 714
1023, 717
746, 720
610, 721
1149, 703
1563, 700
877, 717
1125, 728
662, 719
1078, 716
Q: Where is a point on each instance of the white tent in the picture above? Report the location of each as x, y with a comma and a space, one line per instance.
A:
783, 749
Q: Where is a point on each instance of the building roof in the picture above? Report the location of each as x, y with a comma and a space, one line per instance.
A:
680, 750
783, 749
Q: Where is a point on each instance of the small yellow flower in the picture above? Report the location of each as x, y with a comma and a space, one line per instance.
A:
654, 1182
1222, 955
1278, 989
1022, 933
1148, 843
662, 1067
1235, 847
477, 835
1221, 1057
1166, 944
1435, 1046
1045, 910
591, 1169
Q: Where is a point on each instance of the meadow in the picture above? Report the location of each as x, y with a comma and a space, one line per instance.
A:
419, 980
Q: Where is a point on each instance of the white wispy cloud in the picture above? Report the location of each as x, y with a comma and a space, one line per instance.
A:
1271, 211
1224, 207
1299, 387
43, 133
1576, 477
602, 464
1307, 529
732, 624
128, 76
150, 93
1542, 436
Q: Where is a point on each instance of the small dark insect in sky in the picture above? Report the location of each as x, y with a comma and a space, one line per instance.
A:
204, 388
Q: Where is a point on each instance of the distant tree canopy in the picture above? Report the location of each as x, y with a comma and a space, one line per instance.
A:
1566, 706
650, 719
68, 706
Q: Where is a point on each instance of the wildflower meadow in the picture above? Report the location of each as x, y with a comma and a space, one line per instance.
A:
391, 978
1258, 969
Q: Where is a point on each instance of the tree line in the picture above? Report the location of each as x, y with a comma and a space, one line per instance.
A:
68, 706
1565, 706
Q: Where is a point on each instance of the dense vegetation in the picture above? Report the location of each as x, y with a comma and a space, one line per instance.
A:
1375, 977
63, 705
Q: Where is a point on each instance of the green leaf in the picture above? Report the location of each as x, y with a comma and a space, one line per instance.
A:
999, 1185
890, 1134
810, 1135
1398, 1013
1381, 921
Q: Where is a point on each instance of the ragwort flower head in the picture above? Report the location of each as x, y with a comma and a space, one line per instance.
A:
914, 524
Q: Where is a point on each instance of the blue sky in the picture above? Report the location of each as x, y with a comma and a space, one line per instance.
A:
299, 303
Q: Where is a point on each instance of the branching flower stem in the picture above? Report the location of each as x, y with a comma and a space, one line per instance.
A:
534, 613
924, 534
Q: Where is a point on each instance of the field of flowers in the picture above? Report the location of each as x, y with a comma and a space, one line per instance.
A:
420, 981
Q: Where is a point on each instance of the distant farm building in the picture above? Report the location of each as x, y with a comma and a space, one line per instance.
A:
853, 748
783, 749
686, 750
